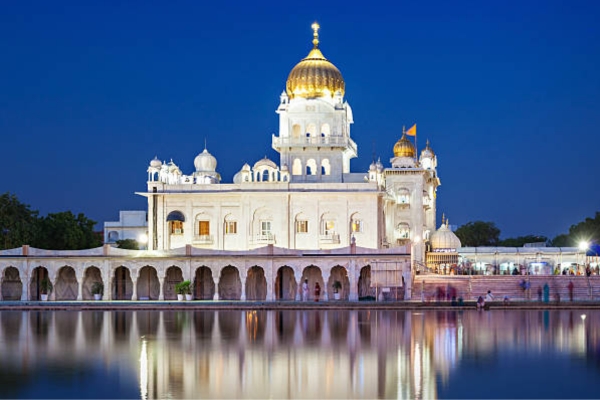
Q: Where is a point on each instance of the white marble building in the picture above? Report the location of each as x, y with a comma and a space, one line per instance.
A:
310, 200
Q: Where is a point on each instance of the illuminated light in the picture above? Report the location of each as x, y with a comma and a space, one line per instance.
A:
582, 317
583, 245
143, 238
144, 370
417, 239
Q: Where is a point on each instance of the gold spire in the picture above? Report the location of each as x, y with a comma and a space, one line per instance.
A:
315, 27
315, 76
404, 147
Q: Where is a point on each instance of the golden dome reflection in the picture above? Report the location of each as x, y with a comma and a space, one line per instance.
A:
404, 147
315, 76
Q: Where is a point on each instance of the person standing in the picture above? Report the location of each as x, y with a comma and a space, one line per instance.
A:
570, 287
489, 296
305, 290
317, 291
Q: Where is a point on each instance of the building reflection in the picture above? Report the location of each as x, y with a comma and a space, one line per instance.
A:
287, 354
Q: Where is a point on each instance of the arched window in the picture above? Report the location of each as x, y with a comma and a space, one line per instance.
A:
175, 220
403, 230
296, 131
297, 167
325, 167
311, 130
311, 167
113, 236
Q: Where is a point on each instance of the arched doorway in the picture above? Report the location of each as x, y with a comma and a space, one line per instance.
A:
256, 284
66, 287
148, 285
122, 284
314, 276
39, 275
174, 276
339, 274
230, 284
91, 276
204, 286
285, 284
12, 287
365, 292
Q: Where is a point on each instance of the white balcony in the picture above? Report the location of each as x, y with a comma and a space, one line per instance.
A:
331, 238
203, 239
264, 238
314, 141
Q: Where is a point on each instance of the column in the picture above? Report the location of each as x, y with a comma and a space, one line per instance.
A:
243, 277
353, 280
216, 279
298, 277
134, 278
106, 283
325, 289
79, 275
25, 286
161, 292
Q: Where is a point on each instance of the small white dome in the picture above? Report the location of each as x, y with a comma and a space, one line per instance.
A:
173, 167
284, 168
237, 178
265, 162
372, 167
246, 167
156, 163
205, 162
444, 238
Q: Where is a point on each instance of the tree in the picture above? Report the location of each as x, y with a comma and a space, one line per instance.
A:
65, 231
478, 233
588, 230
18, 223
522, 240
130, 244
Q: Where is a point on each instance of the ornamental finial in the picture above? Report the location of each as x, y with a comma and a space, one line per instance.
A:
315, 27
443, 219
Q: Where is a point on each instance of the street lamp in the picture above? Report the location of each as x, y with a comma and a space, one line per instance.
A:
143, 240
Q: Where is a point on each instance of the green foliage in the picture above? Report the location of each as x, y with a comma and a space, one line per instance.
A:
129, 244
337, 285
587, 230
46, 286
97, 288
522, 240
65, 231
478, 233
184, 287
18, 223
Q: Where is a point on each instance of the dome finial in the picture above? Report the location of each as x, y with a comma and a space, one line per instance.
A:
315, 27
443, 219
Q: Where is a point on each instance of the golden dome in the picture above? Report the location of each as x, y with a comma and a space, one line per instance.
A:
314, 76
404, 147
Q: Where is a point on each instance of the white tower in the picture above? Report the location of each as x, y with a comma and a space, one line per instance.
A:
314, 121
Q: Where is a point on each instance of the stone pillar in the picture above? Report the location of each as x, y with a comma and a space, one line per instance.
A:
134, 280
353, 280
243, 277
52, 295
269, 273
325, 289
25, 286
106, 282
161, 292
298, 276
216, 277
79, 274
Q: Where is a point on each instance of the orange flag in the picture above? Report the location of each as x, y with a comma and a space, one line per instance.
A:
412, 131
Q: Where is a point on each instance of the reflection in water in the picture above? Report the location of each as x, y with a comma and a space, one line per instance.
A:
298, 354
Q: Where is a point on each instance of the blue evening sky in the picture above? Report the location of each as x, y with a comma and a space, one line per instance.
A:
508, 93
